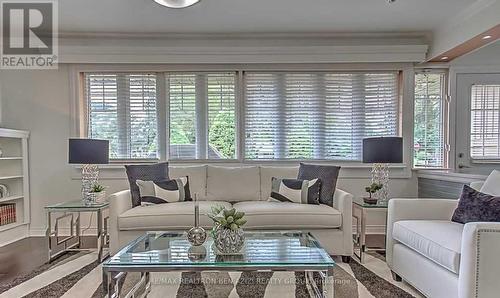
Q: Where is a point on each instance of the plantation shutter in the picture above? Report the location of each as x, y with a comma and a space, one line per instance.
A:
182, 118
485, 118
122, 109
428, 134
202, 115
221, 108
317, 115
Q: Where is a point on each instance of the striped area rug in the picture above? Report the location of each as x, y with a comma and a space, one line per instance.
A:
79, 276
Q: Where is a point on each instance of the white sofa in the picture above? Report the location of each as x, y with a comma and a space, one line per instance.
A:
245, 188
439, 257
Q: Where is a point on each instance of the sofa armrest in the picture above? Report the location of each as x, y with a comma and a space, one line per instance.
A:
119, 202
479, 260
342, 201
415, 209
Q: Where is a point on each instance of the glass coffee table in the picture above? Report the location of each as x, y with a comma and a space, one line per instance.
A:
263, 251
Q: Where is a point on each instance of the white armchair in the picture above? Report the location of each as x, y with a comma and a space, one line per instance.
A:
439, 257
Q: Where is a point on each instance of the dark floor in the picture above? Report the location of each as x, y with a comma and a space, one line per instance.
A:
25, 255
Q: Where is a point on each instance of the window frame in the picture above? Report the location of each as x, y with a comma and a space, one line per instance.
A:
79, 114
445, 114
204, 132
399, 110
478, 160
125, 117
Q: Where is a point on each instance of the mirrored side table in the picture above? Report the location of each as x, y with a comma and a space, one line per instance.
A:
71, 211
360, 211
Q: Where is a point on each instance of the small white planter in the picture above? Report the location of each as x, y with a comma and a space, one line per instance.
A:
98, 197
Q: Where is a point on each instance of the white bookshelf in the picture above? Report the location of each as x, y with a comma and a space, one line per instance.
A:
14, 174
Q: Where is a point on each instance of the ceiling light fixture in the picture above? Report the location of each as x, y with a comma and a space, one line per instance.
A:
487, 37
177, 3
444, 58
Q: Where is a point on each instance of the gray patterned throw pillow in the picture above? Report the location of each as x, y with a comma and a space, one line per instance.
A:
326, 174
475, 206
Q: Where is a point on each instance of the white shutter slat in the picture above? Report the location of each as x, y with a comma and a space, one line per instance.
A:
317, 115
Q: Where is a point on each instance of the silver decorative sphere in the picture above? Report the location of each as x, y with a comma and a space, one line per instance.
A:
197, 236
197, 253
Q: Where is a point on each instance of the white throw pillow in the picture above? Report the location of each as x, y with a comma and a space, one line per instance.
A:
492, 184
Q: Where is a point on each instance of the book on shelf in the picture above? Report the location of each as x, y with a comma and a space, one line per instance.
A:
7, 214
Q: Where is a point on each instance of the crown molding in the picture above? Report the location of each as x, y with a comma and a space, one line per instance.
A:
422, 36
253, 48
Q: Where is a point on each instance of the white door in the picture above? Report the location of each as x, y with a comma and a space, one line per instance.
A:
477, 123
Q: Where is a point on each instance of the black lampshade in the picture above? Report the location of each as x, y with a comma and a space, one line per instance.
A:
383, 150
88, 151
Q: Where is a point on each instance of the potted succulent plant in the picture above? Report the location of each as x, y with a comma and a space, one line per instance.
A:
227, 232
97, 193
373, 188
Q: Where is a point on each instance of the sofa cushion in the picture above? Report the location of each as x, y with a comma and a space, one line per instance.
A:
267, 173
438, 240
282, 215
233, 184
197, 179
171, 216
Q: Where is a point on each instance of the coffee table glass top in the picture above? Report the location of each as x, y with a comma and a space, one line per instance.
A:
262, 249
361, 203
78, 204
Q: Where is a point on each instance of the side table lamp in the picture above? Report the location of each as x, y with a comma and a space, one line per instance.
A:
89, 153
382, 151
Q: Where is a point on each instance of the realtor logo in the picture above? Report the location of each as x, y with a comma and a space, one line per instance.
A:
29, 35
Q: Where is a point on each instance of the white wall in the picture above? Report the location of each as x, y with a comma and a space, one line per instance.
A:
39, 101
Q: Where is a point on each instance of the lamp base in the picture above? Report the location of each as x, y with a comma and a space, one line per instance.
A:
380, 174
90, 177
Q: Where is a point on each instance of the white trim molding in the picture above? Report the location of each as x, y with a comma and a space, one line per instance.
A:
265, 48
